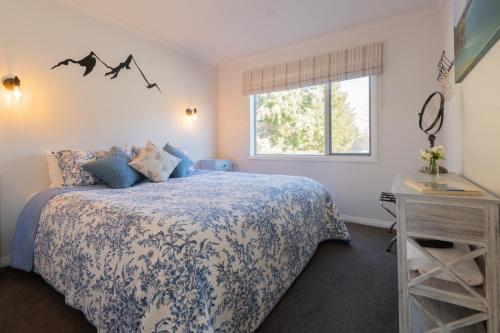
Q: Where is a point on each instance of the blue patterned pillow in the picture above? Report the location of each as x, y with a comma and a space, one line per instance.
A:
114, 169
182, 168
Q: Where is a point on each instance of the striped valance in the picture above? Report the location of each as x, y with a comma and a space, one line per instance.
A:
335, 66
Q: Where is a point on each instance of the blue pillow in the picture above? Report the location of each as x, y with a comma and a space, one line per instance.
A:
114, 169
182, 168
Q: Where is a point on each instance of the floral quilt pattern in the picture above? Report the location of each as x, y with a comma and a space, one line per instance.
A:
211, 252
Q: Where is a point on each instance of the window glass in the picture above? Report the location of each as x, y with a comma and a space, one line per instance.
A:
328, 119
291, 122
350, 116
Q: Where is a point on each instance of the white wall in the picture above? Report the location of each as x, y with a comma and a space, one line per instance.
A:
475, 114
60, 109
411, 51
481, 105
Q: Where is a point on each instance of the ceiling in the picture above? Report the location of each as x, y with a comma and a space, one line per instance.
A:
221, 31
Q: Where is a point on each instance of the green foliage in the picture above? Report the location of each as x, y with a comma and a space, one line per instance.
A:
344, 131
293, 121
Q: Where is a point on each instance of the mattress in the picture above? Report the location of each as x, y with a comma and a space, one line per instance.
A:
213, 252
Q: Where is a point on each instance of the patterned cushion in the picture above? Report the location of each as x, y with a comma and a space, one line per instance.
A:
131, 150
114, 169
55, 174
182, 168
155, 163
71, 164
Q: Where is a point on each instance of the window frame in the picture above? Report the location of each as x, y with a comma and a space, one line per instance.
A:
371, 157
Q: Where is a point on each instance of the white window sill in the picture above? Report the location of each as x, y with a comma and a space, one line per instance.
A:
316, 158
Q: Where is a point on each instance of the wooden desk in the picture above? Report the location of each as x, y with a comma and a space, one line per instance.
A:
427, 304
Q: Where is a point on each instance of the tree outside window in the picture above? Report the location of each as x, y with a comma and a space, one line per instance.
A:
299, 121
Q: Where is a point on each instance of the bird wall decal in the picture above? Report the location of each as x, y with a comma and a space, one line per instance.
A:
116, 70
90, 61
150, 85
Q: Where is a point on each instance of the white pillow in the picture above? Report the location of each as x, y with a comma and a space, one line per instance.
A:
154, 163
183, 149
55, 174
131, 150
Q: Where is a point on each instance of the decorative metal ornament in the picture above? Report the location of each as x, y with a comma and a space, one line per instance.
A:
444, 67
90, 61
431, 116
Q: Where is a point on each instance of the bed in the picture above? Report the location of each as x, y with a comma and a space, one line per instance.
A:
212, 252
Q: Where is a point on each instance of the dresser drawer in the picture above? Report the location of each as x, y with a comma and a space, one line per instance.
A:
216, 165
223, 165
446, 220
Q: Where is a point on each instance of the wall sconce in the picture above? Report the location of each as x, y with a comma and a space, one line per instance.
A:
192, 112
13, 84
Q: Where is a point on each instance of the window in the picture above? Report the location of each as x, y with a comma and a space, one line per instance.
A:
334, 119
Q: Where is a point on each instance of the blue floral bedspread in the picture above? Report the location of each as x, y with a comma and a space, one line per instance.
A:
208, 253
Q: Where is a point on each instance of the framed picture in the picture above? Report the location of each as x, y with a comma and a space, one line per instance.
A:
476, 30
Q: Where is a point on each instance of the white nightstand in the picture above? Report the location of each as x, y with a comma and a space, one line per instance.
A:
426, 302
216, 165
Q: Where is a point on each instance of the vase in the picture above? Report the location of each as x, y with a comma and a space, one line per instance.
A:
433, 167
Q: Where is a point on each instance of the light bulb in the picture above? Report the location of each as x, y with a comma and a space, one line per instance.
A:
16, 92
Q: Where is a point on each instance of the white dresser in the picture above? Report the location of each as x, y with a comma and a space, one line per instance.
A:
429, 304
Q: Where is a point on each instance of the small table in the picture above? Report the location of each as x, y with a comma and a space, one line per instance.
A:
427, 304
216, 165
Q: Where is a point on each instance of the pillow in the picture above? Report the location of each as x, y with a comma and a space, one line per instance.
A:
114, 169
55, 174
183, 149
131, 151
70, 163
155, 163
182, 168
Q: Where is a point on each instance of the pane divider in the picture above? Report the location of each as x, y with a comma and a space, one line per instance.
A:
328, 119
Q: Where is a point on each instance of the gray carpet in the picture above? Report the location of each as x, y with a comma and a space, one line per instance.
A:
345, 288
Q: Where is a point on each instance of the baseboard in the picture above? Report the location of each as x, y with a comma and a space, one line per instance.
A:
4, 261
367, 221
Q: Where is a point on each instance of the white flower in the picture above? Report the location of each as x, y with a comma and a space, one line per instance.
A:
440, 152
432, 154
425, 155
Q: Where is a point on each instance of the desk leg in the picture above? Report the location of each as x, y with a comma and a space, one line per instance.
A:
404, 301
493, 269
